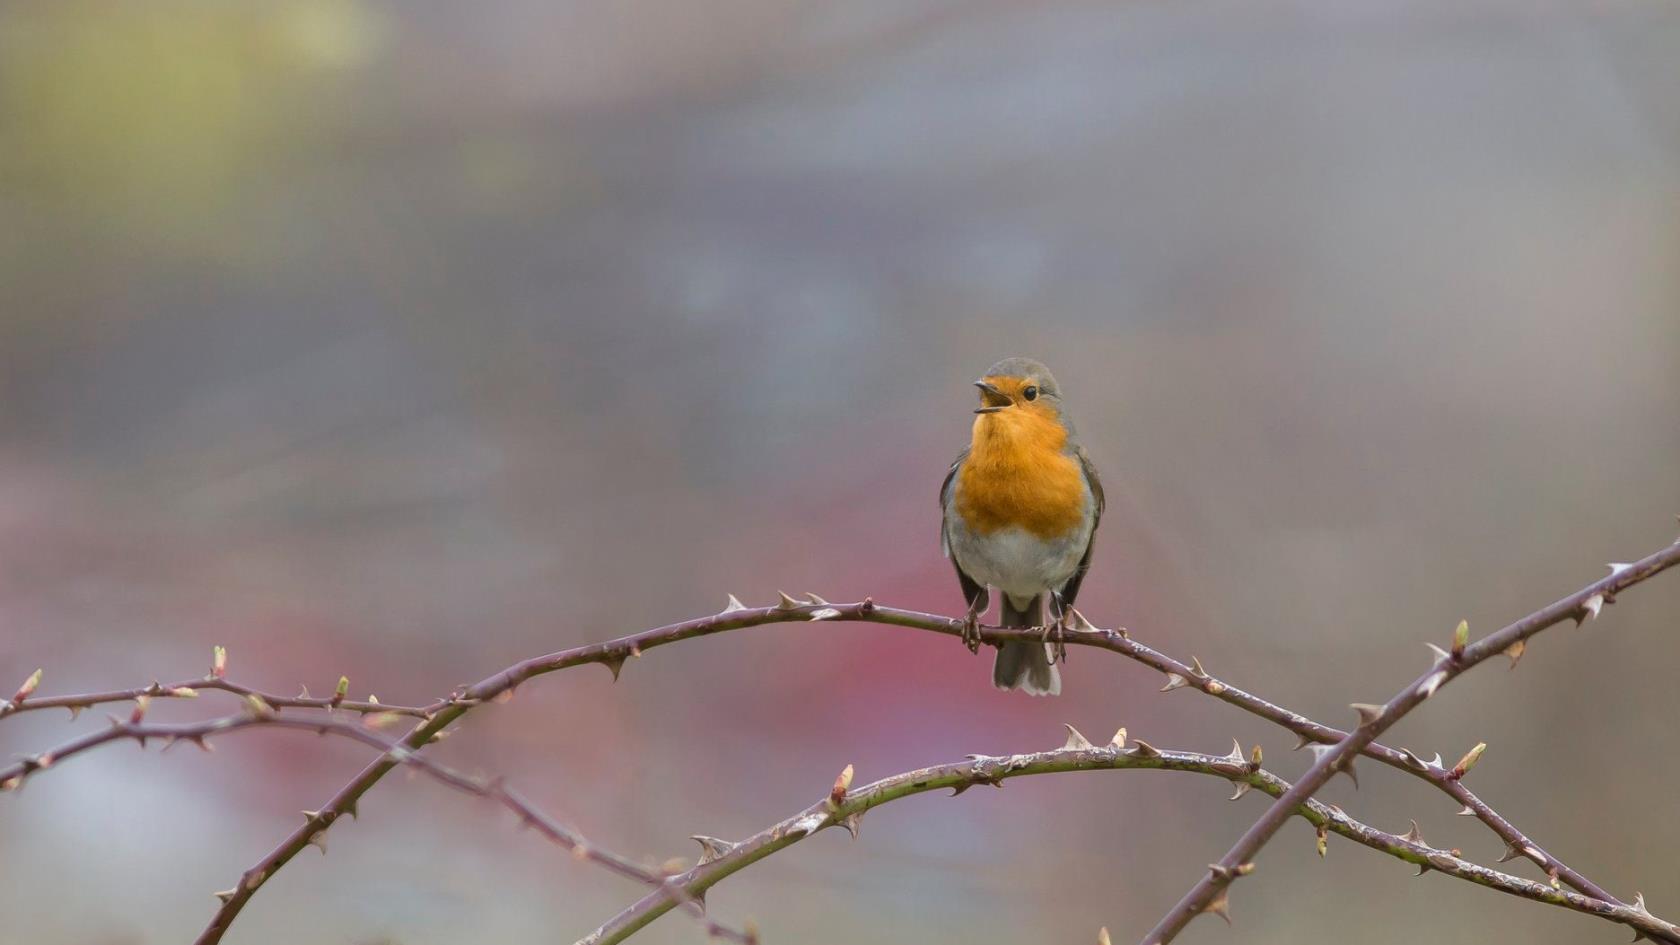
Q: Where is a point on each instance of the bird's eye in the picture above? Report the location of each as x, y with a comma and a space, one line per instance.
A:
1030, 392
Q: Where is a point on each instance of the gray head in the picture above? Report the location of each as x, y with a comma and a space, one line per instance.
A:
1026, 370
1019, 382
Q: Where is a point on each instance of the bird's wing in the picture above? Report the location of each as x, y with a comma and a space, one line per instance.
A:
974, 593
945, 500
1070, 590
1092, 478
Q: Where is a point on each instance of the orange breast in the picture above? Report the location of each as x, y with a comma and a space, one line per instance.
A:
1016, 474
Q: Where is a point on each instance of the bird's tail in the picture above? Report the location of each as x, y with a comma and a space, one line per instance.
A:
1025, 665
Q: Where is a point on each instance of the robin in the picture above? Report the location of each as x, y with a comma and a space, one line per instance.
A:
1021, 506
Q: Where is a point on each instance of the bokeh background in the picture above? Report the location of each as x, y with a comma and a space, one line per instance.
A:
408, 340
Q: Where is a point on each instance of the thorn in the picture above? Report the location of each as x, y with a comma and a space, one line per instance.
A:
1428, 686
1440, 654
1236, 758
1415, 835
318, 840
1119, 740
1589, 609
1079, 624
1515, 651
351, 808
824, 613
303, 690
1617, 567
1468, 761
1243, 869
1221, 907
733, 605
786, 602
1512, 851
1196, 669
1461, 638
815, 599
851, 823
309, 815
1413, 760
1075, 740
1242, 787
842, 784
1465, 811
1175, 681
1319, 751
1220, 871
1102, 936
1143, 749
227, 895
614, 665
1301, 741
76, 711
1323, 840
711, 848
1368, 713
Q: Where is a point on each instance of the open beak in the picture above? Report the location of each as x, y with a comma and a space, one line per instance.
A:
995, 399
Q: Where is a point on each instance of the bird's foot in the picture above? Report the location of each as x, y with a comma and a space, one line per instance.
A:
1055, 636
971, 632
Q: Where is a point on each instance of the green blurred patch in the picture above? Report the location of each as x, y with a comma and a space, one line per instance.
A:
146, 120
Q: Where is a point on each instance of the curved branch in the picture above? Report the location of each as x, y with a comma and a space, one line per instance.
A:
844, 809
258, 715
189, 689
1209, 893
613, 654
1179, 675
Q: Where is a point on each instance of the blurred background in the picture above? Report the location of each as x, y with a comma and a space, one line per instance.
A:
408, 340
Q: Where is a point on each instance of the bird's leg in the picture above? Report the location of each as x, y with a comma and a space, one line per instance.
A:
1054, 630
971, 621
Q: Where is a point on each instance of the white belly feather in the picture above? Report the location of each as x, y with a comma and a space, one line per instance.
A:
1017, 562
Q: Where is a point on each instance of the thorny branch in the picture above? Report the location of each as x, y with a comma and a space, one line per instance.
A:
1178, 674
435, 718
1210, 893
26, 701
844, 808
258, 714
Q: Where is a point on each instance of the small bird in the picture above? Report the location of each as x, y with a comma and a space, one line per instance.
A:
1021, 506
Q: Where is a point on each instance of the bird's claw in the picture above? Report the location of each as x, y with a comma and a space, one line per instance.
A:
1054, 635
971, 632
